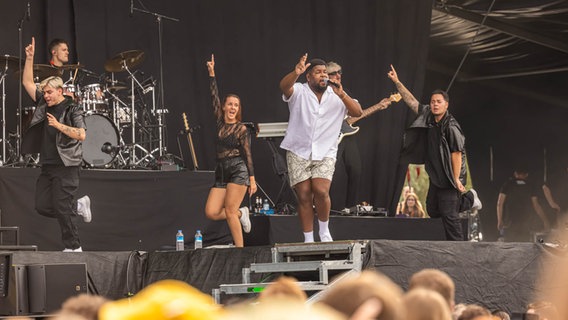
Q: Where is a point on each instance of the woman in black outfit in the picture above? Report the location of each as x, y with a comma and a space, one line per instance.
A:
234, 172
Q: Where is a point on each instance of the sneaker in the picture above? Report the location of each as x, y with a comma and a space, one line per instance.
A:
326, 237
477, 205
84, 208
73, 250
245, 219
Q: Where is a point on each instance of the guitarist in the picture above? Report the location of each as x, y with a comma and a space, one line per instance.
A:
348, 151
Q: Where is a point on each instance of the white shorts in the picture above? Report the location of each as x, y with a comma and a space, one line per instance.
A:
300, 169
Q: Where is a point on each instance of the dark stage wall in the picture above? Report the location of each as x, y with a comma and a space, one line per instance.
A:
496, 275
256, 42
141, 210
132, 210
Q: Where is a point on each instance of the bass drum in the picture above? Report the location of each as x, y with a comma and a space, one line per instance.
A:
101, 132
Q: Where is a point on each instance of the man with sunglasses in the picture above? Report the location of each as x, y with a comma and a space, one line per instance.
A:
56, 131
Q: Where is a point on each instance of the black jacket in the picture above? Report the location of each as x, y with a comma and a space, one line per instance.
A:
70, 150
415, 142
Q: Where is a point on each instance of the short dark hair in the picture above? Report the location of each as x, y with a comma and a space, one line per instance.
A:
54, 43
443, 93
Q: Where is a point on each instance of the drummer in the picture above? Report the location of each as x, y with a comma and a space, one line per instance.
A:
59, 50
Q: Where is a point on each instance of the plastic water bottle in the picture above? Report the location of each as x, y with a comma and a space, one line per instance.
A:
198, 240
266, 207
180, 245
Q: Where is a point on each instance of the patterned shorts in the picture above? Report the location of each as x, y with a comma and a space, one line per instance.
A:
300, 169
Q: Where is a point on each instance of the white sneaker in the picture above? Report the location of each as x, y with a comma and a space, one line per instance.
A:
84, 208
326, 237
73, 250
477, 205
245, 219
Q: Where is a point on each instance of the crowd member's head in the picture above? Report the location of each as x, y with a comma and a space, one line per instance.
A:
544, 309
473, 311
59, 51
281, 309
349, 294
501, 315
435, 280
426, 304
412, 206
163, 300
283, 287
316, 74
85, 305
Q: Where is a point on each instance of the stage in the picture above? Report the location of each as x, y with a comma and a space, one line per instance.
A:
142, 210
498, 275
137, 213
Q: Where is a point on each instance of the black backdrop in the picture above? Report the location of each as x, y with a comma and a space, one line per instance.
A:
255, 43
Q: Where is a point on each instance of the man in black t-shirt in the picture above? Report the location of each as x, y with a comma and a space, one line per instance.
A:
56, 131
435, 138
516, 205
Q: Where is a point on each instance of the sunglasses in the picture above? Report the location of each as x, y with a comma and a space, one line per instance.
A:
335, 73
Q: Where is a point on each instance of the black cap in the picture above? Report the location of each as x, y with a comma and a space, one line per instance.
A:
315, 62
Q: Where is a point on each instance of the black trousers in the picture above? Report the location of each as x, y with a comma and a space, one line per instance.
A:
445, 204
348, 155
55, 198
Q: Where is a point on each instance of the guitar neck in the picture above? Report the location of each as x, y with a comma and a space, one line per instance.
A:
367, 112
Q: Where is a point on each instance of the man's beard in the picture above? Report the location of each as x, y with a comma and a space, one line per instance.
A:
317, 88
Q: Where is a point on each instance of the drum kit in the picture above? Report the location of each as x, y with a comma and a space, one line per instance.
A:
125, 130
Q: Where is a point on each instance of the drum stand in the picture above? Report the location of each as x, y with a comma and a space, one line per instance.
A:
132, 160
3, 81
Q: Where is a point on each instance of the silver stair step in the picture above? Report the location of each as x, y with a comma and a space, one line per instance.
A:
299, 266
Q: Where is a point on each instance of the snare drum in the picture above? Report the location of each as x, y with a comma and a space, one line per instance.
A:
93, 99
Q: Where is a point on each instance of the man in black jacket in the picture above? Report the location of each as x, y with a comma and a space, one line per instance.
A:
56, 131
435, 138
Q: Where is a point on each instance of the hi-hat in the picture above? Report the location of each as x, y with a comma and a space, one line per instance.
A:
70, 66
13, 63
130, 58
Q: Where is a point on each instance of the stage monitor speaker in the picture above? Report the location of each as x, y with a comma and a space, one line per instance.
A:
49, 285
14, 300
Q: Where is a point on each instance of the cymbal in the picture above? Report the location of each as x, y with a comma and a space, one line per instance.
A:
116, 88
43, 71
131, 58
71, 66
12, 62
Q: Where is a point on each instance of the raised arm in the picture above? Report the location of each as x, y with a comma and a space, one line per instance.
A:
408, 98
28, 75
287, 83
215, 101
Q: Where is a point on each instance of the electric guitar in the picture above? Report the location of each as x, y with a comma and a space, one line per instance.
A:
190, 142
347, 127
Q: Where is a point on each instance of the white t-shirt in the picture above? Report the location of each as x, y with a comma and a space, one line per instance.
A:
313, 127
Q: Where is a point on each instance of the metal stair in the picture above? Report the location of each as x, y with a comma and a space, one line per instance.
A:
321, 257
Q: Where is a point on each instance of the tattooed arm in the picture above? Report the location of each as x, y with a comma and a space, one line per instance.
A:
71, 132
408, 98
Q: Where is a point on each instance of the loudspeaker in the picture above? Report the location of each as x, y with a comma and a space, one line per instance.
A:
49, 285
14, 301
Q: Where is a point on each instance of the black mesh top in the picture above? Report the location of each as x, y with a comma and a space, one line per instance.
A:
233, 139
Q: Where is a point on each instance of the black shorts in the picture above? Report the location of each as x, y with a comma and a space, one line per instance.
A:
232, 170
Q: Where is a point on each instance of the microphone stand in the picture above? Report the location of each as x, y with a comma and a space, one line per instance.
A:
19, 110
161, 110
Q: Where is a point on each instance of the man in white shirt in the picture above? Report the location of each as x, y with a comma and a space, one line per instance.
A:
316, 113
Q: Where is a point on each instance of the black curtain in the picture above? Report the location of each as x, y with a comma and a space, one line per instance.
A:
255, 42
